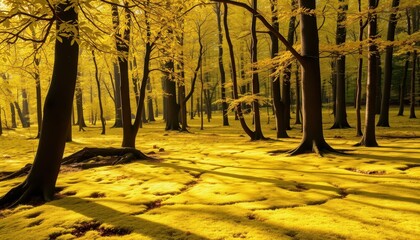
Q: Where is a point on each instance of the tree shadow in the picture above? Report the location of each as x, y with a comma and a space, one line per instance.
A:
111, 216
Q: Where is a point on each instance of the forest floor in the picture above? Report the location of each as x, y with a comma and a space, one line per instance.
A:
217, 184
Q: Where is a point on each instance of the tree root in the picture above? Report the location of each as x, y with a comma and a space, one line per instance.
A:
21, 172
320, 148
91, 158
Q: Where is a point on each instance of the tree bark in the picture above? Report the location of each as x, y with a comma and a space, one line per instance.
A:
221, 67
40, 183
279, 106
340, 116
25, 108
413, 85
403, 83
313, 137
98, 84
258, 135
386, 91
369, 137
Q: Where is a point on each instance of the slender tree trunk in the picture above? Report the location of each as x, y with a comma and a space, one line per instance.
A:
413, 85
386, 91
13, 115
340, 117
403, 83
25, 108
117, 94
258, 135
378, 86
1, 123
359, 76
98, 84
40, 183
79, 105
150, 114
369, 137
298, 98
221, 67
238, 106
20, 115
279, 108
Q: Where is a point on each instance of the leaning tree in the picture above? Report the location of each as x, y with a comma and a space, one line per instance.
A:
40, 183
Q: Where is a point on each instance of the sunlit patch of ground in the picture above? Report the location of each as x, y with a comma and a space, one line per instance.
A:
216, 184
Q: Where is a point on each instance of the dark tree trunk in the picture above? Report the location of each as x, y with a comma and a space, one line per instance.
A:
279, 108
13, 115
1, 124
258, 135
378, 86
40, 183
403, 83
238, 106
298, 98
20, 115
79, 106
117, 94
221, 67
369, 137
386, 91
150, 113
413, 85
98, 84
333, 63
286, 80
38, 97
172, 108
340, 116
359, 76
313, 137
25, 108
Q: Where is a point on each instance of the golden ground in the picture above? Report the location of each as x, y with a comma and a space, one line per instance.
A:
216, 184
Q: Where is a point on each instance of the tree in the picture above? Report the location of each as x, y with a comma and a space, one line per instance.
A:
98, 84
386, 90
340, 116
369, 137
221, 67
40, 183
362, 26
279, 108
313, 137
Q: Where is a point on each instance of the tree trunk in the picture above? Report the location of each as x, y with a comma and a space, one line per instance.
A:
221, 67
79, 106
20, 115
172, 108
258, 135
279, 108
359, 76
403, 83
40, 183
369, 137
13, 115
25, 108
98, 84
150, 114
1, 124
298, 98
117, 94
386, 91
340, 117
413, 85
313, 138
